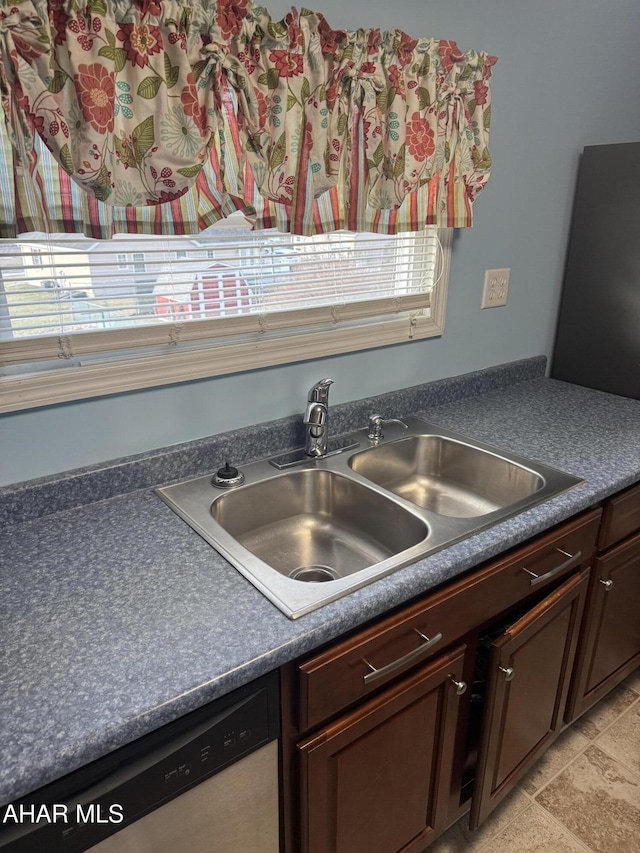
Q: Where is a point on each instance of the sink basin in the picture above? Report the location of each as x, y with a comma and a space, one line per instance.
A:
446, 476
307, 531
314, 525
303, 537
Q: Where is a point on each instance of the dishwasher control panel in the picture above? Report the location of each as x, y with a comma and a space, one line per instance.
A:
234, 734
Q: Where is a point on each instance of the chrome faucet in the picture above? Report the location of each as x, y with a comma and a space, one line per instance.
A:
316, 419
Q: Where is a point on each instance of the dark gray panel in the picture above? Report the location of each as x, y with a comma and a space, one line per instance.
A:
598, 332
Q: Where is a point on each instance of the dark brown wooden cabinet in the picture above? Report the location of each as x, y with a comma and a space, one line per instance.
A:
382, 742
378, 779
610, 641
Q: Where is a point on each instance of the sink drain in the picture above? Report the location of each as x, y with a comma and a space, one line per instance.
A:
314, 574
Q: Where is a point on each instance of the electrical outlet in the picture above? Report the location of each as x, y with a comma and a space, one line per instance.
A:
496, 288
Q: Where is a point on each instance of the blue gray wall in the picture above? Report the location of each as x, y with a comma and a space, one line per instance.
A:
566, 77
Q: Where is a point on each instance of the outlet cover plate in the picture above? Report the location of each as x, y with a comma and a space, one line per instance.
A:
496, 288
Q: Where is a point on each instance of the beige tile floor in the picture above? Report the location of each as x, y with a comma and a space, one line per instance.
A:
583, 796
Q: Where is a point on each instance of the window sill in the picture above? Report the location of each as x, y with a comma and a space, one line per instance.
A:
117, 375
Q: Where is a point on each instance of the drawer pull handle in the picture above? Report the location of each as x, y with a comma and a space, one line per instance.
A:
571, 558
606, 584
375, 673
460, 686
509, 672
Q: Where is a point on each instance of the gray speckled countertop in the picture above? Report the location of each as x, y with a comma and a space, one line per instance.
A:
116, 617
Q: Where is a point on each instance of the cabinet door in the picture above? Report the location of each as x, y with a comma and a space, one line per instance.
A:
377, 780
610, 645
528, 681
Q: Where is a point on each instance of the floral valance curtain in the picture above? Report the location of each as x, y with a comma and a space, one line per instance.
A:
165, 115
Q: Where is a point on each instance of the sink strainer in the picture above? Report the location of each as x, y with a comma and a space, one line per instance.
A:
314, 574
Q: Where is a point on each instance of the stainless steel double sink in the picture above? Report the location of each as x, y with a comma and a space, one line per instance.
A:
310, 533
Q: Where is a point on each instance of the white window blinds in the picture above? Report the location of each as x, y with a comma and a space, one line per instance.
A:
67, 299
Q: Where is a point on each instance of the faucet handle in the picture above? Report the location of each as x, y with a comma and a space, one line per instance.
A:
320, 391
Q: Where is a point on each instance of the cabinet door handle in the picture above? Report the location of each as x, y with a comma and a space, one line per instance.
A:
460, 686
509, 672
375, 673
606, 584
571, 558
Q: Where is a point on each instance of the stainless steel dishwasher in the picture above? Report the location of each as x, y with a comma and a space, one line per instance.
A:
206, 783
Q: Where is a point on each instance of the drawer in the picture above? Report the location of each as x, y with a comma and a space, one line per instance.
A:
621, 517
349, 670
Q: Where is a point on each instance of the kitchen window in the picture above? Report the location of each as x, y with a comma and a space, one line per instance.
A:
85, 323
